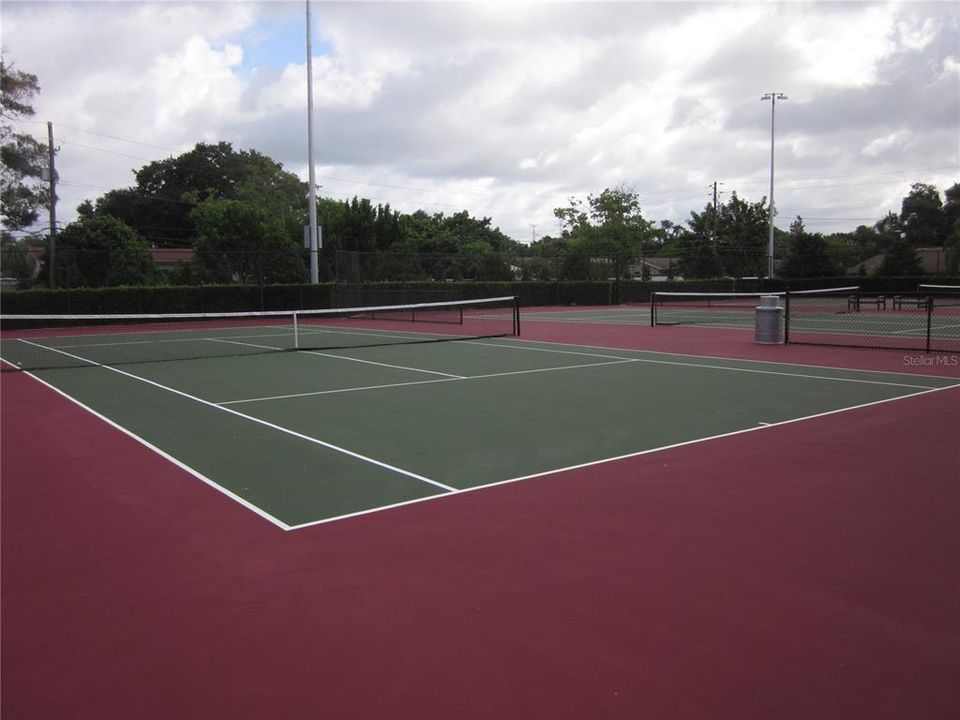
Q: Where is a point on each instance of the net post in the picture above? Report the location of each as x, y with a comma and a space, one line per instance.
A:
653, 304
296, 333
929, 321
516, 315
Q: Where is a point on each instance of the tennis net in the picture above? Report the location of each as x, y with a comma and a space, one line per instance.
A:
925, 288
728, 309
34, 342
943, 295
928, 321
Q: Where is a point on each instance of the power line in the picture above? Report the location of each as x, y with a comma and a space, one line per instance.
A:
104, 150
106, 135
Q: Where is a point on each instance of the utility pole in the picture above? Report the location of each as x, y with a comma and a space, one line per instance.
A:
772, 97
715, 193
533, 229
53, 203
314, 240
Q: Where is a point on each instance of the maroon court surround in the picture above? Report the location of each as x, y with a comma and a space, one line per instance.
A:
804, 571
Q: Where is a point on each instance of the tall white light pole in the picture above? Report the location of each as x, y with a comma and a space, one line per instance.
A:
314, 244
51, 168
772, 97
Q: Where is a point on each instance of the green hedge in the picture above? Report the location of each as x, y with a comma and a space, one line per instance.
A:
239, 298
167, 299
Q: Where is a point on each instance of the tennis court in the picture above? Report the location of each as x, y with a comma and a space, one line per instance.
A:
839, 316
410, 520
309, 436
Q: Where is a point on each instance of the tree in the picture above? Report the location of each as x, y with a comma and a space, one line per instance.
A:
160, 205
952, 246
920, 216
900, 260
728, 240
239, 242
699, 257
613, 224
698, 246
742, 229
808, 254
22, 158
950, 228
98, 251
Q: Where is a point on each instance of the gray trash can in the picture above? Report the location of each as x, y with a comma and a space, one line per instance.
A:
768, 322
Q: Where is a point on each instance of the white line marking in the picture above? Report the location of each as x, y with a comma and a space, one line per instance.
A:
615, 361
386, 365
724, 359
349, 359
166, 456
421, 382
725, 367
334, 392
626, 456
272, 426
550, 350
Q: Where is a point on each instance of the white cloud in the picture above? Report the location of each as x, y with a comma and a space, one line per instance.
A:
198, 78
846, 50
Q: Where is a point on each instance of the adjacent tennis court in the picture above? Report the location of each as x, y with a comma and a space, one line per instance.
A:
928, 320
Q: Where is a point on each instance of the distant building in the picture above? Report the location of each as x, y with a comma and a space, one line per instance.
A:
933, 261
658, 269
167, 258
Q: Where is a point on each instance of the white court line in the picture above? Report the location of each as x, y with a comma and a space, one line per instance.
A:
166, 456
386, 365
421, 382
776, 363
265, 423
334, 392
626, 456
615, 360
725, 367
921, 332
350, 359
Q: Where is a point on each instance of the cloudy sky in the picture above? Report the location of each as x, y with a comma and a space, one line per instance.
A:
507, 109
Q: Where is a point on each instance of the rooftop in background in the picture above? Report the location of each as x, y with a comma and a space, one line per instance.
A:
933, 260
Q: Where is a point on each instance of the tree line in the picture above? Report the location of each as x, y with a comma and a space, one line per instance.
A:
242, 214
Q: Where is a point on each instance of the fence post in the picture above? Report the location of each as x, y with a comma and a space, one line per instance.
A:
617, 259
786, 317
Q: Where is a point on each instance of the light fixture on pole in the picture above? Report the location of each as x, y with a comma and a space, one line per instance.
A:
314, 240
772, 97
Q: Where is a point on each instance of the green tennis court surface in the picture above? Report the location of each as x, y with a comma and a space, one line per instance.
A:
310, 436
